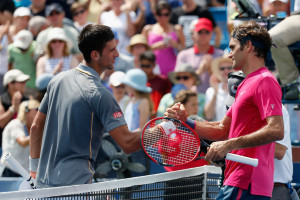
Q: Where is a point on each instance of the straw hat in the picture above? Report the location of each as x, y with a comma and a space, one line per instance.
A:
137, 79
183, 67
216, 64
58, 34
138, 39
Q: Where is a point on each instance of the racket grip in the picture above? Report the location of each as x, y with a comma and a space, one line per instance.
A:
20, 169
242, 159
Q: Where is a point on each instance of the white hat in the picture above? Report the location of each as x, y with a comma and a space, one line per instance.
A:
137, 79
116, 78
23, 39
14, 75
58, 34
22, 11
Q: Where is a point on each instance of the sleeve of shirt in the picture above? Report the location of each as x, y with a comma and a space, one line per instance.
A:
267, 97
44, 104
108, 110
229, 112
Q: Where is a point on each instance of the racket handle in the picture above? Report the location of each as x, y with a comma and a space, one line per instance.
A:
242, 159
14, 163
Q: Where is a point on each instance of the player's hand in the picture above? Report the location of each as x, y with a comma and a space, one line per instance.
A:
33, 174
177, 111
217, 151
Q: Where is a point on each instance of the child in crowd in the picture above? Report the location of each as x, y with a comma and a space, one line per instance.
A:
139, 109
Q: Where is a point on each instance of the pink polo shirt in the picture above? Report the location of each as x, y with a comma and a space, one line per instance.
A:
257, 97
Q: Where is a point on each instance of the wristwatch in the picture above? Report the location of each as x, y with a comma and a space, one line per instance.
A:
12, 109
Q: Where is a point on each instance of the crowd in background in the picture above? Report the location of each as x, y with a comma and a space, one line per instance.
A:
169, 51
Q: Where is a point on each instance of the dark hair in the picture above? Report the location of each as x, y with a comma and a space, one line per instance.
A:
148, 55
161, 5
183, 96
94, 38
257, 34
7, 5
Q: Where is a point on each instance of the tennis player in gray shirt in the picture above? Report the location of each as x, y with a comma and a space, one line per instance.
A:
77, 109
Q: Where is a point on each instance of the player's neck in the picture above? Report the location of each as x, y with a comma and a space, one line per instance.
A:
253, 65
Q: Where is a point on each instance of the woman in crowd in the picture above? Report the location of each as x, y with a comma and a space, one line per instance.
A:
164, 38
57, 57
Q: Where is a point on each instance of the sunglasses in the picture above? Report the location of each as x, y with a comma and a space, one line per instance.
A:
206, 32
57, 41
54, 13
120, 86
145, 66
223, 68
78, 12
163, 14
178, 78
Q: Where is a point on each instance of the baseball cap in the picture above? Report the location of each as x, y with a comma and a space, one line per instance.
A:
234, 80
116, 78
14, 75
23, 39
54, 7
22, 11
203, 23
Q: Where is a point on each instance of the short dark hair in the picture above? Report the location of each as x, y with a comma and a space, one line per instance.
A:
257, 34
148, 55
94, 38
161, 5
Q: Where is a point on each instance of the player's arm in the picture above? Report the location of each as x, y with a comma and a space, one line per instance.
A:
128, 141
36, 135
206, 130
271, 132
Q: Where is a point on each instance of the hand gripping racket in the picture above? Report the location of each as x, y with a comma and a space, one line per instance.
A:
14, 163
170, 142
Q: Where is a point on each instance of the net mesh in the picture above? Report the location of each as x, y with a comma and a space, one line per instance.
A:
197, 183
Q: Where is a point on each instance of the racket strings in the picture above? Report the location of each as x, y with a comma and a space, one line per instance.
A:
172, 148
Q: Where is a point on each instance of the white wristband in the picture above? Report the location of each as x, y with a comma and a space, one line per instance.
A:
33, 164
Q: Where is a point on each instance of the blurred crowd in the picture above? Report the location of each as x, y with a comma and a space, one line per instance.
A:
169, 51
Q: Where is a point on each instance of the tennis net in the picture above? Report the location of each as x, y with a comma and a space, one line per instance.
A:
196, 183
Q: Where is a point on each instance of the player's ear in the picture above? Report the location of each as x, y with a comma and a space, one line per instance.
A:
95, 55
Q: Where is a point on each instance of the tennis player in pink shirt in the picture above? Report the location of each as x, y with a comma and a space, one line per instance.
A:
253, 122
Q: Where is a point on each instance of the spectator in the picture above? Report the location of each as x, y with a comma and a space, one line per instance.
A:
14, 82
57, 57
55, 14
137, 46
21, 57
190, 101
16, 138
139, 109
216, 94
38, 8
20, 21
279, 8
7, 8
37, 24
284, 34
41, 83
159, 83
201, 54
164, 38
283, 163
80, 13
184, 74
122, 21
188, 12
118, 89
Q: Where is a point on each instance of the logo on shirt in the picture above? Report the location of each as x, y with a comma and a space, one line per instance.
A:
117, 114
272, 106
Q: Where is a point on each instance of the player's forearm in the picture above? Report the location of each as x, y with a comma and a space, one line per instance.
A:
268, 134
214, 131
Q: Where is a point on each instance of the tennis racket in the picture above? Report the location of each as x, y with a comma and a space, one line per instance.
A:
28, 182
170, 142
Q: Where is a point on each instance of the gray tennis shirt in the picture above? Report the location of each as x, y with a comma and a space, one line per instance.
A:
79, 110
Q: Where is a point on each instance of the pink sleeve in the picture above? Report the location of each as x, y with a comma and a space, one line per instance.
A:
268, 98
